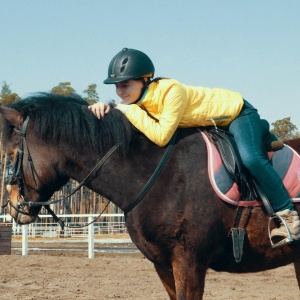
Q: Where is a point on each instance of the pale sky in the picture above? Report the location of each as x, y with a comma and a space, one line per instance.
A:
252, 47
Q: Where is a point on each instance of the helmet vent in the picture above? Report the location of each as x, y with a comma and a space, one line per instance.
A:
124, 62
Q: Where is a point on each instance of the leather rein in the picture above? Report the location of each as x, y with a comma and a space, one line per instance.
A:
18, 177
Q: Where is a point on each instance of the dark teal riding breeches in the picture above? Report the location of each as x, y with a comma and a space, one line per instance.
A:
249, 135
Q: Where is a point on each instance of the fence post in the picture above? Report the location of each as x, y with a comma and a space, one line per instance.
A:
5, 238
91, 253
24, 239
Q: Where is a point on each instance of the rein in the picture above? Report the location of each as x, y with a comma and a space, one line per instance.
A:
18, 176
89, 177
154, 176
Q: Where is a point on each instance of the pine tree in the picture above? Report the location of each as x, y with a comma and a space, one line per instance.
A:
6, 95
63, 88
92, 95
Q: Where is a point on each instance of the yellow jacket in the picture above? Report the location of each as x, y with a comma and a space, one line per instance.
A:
168, 104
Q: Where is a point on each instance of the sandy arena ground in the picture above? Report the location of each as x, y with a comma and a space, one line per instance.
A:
69, 275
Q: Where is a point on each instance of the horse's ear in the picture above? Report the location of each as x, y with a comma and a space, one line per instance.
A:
11, 115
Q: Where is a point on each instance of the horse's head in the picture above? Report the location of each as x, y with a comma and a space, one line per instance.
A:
33, 176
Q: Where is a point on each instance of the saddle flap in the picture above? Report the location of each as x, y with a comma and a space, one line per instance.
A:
228, 151
232, 161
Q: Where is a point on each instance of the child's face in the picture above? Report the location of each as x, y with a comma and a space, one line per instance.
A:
129, 91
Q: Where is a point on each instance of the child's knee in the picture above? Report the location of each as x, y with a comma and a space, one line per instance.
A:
254, 164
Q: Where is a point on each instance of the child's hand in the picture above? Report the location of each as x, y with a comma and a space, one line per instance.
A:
99, 109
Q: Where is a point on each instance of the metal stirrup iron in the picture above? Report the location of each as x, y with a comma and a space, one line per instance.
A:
284, 241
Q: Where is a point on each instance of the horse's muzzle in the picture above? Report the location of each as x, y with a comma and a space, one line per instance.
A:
21, 214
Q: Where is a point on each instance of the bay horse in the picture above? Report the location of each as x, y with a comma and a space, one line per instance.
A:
180, 224
294, 143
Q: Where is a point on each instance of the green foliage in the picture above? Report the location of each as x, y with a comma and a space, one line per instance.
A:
284, 129
63, 88
6, 95
92, 95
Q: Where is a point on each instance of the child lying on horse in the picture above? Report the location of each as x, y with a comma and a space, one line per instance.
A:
158, 106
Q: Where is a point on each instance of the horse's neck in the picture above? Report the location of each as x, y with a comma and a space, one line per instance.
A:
120, 179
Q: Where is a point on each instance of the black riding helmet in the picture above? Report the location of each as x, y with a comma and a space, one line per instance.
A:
129, 64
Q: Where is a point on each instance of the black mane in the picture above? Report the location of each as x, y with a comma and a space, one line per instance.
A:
60, 119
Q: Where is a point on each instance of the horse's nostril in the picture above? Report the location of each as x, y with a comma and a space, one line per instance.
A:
8, 188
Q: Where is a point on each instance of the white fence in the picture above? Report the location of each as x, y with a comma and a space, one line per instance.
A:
75, 226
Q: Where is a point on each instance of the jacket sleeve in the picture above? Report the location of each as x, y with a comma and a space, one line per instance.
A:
159, 131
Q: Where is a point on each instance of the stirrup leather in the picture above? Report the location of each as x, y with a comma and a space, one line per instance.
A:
284, 241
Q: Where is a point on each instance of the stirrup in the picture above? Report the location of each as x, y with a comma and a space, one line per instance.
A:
284, 241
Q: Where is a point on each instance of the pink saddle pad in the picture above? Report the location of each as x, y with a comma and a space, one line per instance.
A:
286, 162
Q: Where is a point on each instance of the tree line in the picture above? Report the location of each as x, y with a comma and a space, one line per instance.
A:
64, 88
284, 129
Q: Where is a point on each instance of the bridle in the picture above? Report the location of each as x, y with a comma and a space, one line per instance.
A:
17, 173
19, 178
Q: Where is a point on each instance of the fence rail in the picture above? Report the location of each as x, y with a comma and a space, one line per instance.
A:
76, 227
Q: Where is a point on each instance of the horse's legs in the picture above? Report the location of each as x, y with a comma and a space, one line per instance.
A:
189, 277
297, 270
167, 278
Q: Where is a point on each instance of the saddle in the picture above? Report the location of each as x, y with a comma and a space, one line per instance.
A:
234, 184
248, 188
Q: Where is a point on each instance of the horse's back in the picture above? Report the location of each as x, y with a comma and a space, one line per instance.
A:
293, 143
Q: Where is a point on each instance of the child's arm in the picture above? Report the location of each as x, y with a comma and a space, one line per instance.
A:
159, 131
